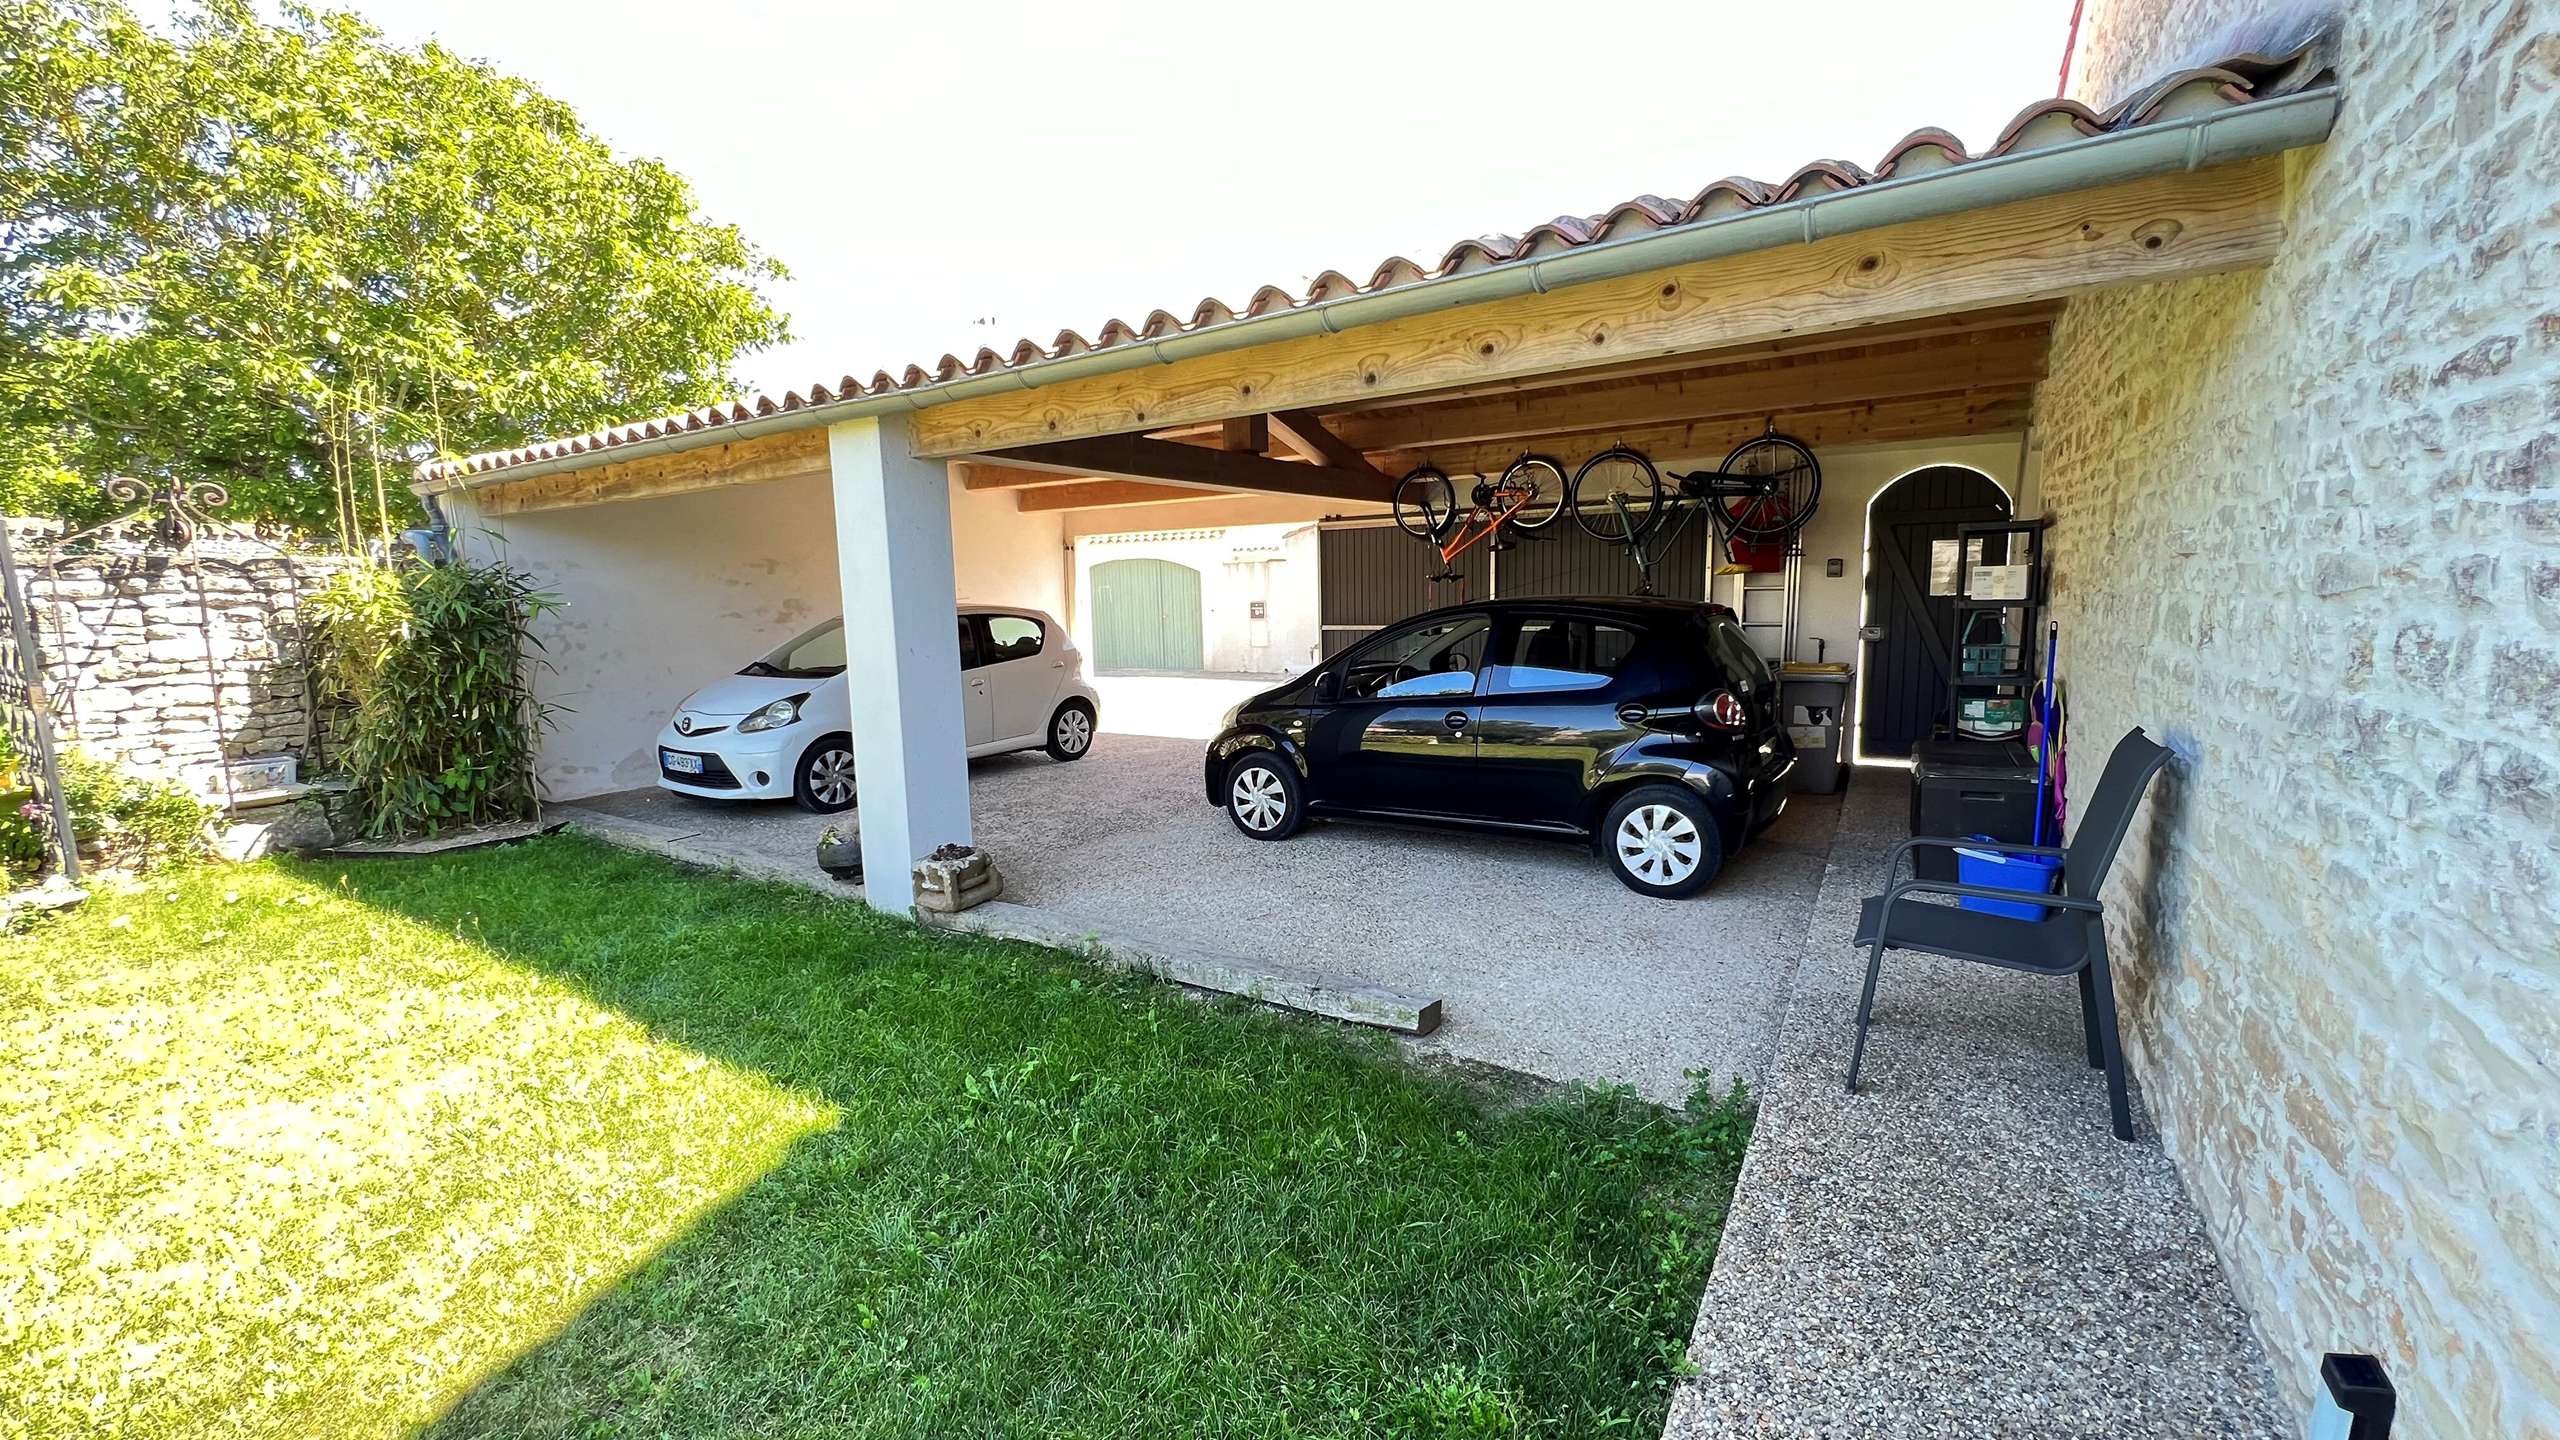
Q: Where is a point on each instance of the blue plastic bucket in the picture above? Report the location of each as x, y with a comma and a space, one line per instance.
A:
1992, 870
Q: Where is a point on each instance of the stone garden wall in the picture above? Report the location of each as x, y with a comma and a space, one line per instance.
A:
2307, 532
174, 664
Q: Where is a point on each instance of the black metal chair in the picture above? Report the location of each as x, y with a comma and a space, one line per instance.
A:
2070, 940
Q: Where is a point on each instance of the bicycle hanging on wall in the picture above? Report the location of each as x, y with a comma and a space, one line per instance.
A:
1527, 497
1758, 499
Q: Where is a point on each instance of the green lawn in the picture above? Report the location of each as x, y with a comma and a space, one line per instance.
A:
554, 1140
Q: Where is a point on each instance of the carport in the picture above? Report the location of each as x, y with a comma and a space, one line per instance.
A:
1908, 306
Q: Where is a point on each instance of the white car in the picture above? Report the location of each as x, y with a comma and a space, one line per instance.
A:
783, 726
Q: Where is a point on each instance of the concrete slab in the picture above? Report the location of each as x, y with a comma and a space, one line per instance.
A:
1544, 963
1963, 1249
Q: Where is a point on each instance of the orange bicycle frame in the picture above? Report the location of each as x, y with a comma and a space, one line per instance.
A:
1480, 522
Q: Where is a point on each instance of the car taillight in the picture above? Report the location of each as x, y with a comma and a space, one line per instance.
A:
1721, 711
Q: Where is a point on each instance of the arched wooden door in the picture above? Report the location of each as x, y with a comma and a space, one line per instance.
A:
1903, 692
1146, 615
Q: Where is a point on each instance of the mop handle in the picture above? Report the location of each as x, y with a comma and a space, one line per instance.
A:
2044, 749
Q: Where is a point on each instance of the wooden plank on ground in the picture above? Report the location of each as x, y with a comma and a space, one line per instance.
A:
2223, 218
1312, 991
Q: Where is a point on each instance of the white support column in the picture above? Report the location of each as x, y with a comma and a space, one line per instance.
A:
902, 653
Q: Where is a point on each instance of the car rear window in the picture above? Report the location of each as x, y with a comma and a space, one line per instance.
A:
1012, 637
1558, 652
1743, 667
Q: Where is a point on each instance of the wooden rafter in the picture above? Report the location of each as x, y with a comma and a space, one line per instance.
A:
1110, 494
1929, 417
1250, 434
988, 475
2012, 319
1998, 361
1135, 457
1308, 434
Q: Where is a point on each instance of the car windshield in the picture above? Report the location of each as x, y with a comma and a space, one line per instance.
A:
813, 654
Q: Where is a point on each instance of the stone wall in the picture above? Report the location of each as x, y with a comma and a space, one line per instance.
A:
174, 664
2307, 532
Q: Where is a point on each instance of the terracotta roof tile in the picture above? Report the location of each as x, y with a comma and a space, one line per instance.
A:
2235, 81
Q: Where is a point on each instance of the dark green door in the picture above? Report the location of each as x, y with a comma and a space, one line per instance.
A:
1146, 615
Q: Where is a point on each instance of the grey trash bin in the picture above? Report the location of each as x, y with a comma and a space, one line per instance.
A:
1816, 699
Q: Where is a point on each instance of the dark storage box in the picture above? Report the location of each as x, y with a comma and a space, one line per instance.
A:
1970, 787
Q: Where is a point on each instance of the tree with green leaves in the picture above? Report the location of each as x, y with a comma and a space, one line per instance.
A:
285, 257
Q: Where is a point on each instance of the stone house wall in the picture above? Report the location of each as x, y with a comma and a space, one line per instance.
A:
173, 664
2307, 532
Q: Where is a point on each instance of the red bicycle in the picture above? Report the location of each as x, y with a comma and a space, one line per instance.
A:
1530, 495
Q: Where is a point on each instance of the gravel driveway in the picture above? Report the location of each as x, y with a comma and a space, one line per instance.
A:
1545, 962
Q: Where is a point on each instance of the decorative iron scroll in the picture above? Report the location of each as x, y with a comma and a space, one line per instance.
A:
180, 505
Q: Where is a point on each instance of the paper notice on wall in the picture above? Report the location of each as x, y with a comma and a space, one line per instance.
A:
2001, 582
1942, 567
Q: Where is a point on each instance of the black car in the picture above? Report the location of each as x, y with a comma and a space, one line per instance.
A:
1649, 728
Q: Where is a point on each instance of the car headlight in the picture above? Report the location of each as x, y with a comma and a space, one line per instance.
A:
774, 716
1228, 720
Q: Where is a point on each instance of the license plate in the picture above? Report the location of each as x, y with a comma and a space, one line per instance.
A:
680, 763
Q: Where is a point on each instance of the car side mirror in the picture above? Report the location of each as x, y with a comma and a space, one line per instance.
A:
1328, 685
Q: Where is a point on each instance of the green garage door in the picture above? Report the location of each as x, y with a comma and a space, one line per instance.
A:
1146, 615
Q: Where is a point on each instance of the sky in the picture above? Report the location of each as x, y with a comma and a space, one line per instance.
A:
943, 176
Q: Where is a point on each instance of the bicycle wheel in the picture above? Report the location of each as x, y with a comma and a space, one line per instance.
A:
1424, 503
1545, 481
1792, 481
1616, 496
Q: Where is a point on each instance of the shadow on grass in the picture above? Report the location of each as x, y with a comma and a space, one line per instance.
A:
1059, 1202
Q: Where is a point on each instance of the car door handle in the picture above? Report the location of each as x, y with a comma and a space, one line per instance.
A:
1456, 720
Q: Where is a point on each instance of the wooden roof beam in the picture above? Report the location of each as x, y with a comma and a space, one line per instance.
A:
1109, 494
1936, 417
1528, 416
2163, 227
1135, 457
985, 475
1311, 437
791, 455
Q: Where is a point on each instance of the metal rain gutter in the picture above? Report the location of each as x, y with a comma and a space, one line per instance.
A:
2194, 142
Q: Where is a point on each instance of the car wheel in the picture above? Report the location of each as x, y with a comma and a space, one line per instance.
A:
1071, 731
824, 782
1662, 841
1263, 796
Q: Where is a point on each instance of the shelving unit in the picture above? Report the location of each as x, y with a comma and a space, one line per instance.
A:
2011, 663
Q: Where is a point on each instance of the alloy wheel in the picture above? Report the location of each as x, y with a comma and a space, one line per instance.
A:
1659, 844
1257, 798
831, 776
1075, 730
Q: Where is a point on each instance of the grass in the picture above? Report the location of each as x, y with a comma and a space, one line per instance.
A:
554, 1140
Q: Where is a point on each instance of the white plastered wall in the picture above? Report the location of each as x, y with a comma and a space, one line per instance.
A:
662, 595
